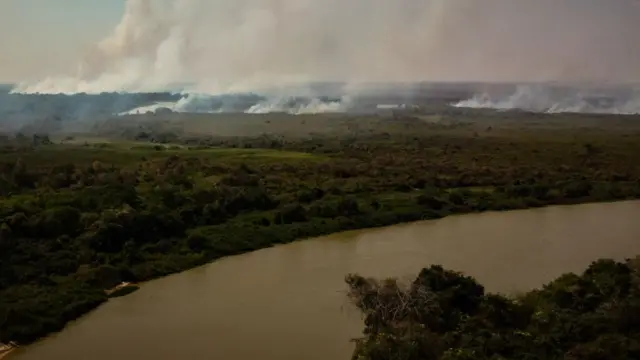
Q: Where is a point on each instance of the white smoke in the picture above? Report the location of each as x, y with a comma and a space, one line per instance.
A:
222, 46
541, 98
204, 103
315, 106
144, 53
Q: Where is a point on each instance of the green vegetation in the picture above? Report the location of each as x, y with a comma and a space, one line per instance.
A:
80, 217
445, 315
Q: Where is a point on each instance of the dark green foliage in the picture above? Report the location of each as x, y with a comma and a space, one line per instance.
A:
290, 214
446, 315
76, 220
27, 310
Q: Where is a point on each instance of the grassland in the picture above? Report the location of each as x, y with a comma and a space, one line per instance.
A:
142, 197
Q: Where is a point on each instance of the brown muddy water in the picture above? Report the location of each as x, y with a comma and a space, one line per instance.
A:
288, 302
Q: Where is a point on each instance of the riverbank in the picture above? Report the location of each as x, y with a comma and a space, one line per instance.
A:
78, 219
122, 289
247, 239
6, 350
5, 353
269, 297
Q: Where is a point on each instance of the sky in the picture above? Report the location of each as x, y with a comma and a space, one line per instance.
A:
44, 37
240, 45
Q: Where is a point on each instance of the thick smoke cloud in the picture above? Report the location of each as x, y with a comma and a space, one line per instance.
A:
553, 99
221, 46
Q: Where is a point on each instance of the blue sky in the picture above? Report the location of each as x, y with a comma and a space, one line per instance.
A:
44, 37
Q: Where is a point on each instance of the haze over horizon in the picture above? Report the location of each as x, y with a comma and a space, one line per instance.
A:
247, 44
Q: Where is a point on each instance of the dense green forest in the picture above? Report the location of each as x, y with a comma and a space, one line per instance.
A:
79, 216
445, 315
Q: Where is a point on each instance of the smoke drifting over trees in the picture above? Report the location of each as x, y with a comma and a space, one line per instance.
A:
227, 46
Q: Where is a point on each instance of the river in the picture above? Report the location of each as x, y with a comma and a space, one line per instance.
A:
288, 302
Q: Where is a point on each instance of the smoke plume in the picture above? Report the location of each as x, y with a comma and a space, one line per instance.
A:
548, 99
221, 46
